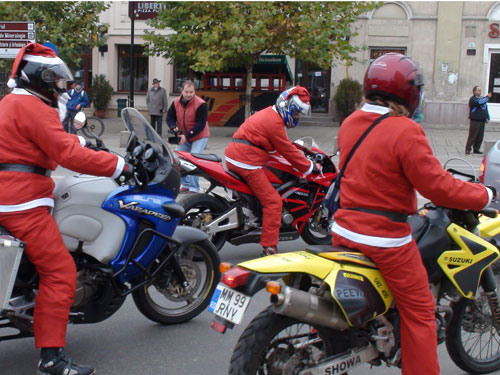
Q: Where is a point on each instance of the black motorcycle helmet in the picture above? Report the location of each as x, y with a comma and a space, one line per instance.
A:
39, 71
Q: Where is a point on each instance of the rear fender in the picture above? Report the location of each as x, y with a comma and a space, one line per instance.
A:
360, 291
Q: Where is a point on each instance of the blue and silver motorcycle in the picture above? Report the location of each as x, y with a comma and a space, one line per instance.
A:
124, 240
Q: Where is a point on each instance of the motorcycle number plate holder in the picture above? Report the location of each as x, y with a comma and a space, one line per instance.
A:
11, 251
229, 304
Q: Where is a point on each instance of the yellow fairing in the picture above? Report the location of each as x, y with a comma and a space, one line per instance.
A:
349, 282
299, 261
489, 227
464, 267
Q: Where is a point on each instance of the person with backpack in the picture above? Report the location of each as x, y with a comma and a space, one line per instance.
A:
378, 192
78, 99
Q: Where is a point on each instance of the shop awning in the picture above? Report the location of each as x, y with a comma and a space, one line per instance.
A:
273, 64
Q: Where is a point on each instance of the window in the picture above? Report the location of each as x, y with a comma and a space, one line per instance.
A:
140, 67
377, 52
184, 74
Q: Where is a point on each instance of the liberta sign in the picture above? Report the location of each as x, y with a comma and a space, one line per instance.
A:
143, 10
494, 30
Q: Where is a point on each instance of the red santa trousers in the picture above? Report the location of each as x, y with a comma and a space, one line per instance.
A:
56, 269
405, 274
269, 198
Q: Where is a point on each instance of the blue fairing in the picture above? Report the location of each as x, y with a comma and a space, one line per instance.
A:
133, 207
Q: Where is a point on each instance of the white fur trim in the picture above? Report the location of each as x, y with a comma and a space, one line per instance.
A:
28, 205
82, 140
18, 91
375, 109
119, 167
11, 83
43, 59
370, 240
242, 165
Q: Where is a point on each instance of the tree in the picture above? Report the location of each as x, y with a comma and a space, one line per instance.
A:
71, 26
213, 36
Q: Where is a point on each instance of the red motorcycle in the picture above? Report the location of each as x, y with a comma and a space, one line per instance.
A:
229, 211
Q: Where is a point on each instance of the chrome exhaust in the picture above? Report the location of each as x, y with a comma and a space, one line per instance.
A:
309, 308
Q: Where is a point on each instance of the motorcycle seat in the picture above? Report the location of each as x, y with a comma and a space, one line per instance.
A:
232, 174
341, 254
209, 157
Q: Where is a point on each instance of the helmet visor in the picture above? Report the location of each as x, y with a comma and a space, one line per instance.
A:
418, 80
56, 73
299, 108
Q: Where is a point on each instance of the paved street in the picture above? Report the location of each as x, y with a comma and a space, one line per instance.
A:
128, 343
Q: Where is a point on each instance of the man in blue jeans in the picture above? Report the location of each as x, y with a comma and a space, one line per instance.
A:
188, 115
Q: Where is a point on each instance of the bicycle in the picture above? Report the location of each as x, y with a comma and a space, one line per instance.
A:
94, 128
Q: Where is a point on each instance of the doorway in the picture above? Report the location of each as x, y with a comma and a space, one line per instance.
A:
493, 85
317, 82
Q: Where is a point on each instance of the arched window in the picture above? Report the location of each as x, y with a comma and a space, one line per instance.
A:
392, 10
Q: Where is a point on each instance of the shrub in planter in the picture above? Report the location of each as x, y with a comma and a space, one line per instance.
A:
348, 96
100, 92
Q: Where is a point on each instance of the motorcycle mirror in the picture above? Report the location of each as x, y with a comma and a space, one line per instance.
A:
80, 120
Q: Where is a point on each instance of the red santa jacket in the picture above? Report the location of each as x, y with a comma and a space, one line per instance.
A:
392, 161
32, 134
266, 130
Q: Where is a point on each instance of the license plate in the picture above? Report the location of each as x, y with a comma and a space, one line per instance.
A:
229, 304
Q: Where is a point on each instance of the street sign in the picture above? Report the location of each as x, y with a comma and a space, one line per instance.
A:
14, 35
144, 10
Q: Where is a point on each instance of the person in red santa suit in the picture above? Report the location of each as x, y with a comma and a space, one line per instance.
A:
35, 143
249, 149
378, 192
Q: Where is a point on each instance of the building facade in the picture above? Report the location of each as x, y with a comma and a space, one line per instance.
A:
456, 44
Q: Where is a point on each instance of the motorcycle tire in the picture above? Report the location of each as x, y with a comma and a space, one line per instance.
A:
200, 207
261, 349
313, 237
162, 300
471, 318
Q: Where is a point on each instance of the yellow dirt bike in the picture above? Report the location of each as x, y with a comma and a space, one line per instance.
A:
331, 310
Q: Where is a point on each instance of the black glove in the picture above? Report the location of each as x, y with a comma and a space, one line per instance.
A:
127, 174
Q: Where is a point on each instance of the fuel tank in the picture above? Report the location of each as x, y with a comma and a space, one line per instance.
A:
82, 221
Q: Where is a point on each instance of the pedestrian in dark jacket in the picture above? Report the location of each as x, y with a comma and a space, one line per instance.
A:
156, 99
478, 116
78, 99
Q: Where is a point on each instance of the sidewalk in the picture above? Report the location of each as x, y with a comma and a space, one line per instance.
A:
446, 141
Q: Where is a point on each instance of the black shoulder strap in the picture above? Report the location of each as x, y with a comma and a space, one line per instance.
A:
351, 153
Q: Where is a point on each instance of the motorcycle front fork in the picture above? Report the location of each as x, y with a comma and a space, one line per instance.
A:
489, 284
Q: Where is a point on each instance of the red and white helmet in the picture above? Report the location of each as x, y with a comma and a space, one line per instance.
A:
394, 77
293, 103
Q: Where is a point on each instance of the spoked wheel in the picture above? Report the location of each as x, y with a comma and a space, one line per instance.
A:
317, 229
472, 339
94, 128
165, 300
274, 344
201, 210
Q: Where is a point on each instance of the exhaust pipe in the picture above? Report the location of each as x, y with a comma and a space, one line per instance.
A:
309, 308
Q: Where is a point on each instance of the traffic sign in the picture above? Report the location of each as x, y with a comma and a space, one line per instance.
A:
14, 35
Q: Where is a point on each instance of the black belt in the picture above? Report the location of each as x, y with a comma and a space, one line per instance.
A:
246, 142
11, 167
391, 215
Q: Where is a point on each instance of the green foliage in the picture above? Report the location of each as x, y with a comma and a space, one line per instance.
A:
348, 96
209, 36
72, 26
101, 91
